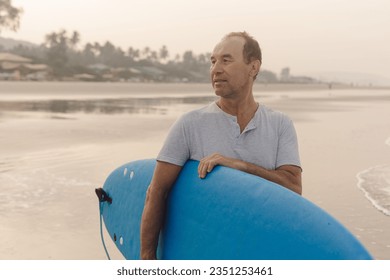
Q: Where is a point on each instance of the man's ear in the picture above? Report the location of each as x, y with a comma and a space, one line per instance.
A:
256, 64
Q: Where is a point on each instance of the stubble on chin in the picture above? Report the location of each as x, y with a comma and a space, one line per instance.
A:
224, 92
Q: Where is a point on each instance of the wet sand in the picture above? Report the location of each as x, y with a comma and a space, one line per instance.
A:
53, 158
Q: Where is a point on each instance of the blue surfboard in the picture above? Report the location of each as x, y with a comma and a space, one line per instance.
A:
229, 215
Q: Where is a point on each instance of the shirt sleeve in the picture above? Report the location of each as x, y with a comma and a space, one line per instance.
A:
288, 152
175, 149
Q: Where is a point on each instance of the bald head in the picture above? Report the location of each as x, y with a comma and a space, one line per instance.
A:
251, 48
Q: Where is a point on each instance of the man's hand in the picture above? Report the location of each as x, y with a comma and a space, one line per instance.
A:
288, 176
208, 163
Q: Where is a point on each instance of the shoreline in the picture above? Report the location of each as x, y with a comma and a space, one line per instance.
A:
362, 180
185, 86
87, 91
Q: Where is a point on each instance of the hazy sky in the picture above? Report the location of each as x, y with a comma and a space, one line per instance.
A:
309, 36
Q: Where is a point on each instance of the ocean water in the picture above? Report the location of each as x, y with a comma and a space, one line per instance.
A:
375, 184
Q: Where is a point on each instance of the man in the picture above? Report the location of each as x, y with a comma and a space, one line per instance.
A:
235, 131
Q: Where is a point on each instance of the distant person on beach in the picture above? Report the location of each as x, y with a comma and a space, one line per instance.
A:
235, 131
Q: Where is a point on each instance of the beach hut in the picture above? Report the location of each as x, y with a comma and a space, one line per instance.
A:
15, 67
10, 66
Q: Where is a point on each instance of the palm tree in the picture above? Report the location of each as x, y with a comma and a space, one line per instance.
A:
164, 54
51, 39
133, 53
56, 52
74, 40
88, 54
146, 52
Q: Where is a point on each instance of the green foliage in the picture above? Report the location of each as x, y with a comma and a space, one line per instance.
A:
60, 52
58, 46
9, 15
106, 61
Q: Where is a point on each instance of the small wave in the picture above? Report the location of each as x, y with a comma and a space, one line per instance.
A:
375, 183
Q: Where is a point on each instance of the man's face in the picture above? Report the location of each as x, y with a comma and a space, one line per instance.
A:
230, 74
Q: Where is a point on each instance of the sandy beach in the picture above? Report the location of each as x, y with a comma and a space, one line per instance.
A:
58, 142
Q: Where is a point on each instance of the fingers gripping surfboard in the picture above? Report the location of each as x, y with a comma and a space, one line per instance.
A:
228, 215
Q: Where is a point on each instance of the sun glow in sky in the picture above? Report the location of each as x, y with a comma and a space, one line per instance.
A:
308, 36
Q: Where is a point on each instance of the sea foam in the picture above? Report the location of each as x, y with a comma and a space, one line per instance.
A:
375, 183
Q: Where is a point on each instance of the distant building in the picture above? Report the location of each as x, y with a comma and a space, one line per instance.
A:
84, 77
10, 66
285, 74
286, 77
152, 73
107, 73
15, 67
99, 67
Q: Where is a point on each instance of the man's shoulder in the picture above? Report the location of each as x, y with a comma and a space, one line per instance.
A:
204, 111
265, 110
274, 116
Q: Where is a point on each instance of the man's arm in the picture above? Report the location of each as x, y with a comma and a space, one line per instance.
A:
288, 176
153, 215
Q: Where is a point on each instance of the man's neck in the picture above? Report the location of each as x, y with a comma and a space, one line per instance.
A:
238, 107
243, 109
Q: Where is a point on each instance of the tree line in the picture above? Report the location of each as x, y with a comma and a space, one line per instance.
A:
61, 52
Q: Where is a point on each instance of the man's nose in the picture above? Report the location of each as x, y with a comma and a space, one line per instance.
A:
216, 68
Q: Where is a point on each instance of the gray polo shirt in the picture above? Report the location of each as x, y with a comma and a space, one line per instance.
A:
269, 140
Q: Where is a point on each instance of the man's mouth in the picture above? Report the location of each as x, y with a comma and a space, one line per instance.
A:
219, 81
